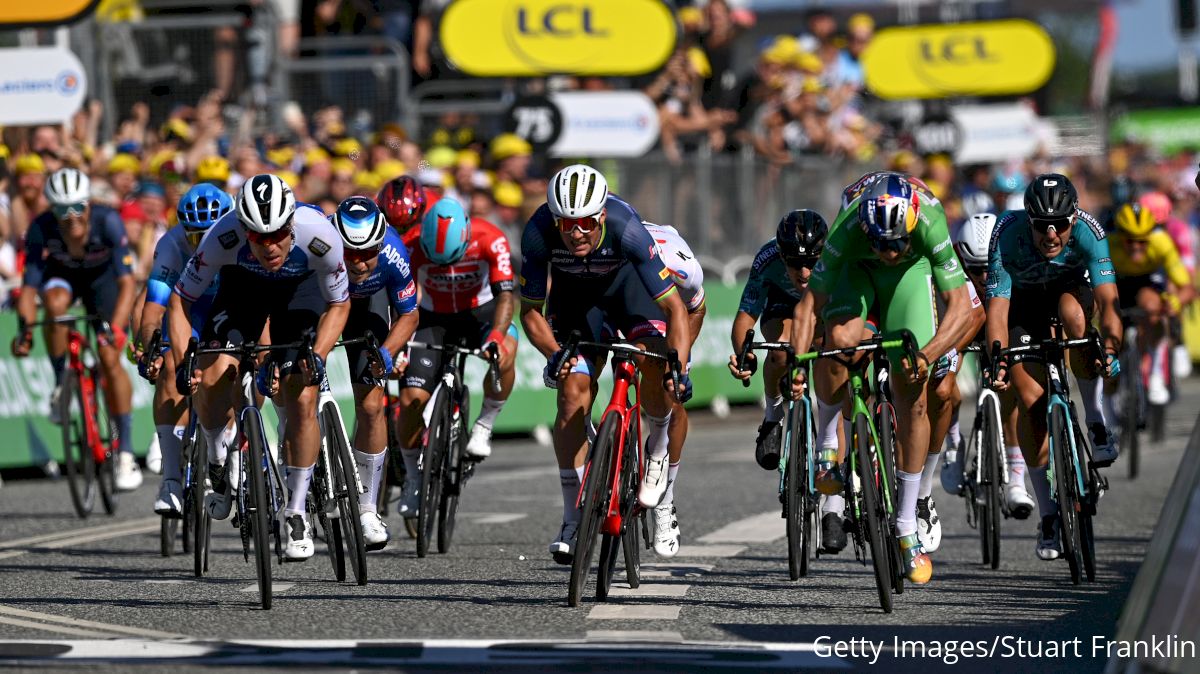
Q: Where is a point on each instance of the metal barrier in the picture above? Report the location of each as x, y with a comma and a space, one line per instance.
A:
487, 99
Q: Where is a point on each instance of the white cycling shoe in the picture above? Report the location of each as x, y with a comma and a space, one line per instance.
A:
654, 482
299, 539
374, 530
410, 498
1049, 544
1020, 503
929, 525
129, 474
666, 530
480, 444
563, 547
170, 499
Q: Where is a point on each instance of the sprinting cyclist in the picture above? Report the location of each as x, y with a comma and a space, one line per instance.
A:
588, 262
279, 262
1052, 259
79, 250
464, 270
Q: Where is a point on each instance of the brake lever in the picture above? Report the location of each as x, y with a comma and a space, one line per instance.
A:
741, 361
676, 368
493, 357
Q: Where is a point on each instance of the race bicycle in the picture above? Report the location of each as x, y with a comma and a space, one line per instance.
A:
985, 465
1133, 408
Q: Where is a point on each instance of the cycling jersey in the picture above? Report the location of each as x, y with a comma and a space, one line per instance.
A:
393, 274
1161, 254
170, 255
1181, 235
768, 283
1015, 263
624, 241
484, 271
316, 251
47, 256
681, 262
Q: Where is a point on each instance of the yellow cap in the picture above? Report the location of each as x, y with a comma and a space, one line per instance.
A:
124, 163
936, 187
178, 128
289, 177
940, 159
281, 156
467, 158
902, 161
157, 161
4, 154
808, 62
315, 155
439, 137
440, 157
212, 169
390, 168
812, 85
343, 165
347, 147
368, 181
510, 145
860, 21
691, 16
699, 61
508, 193
29, 163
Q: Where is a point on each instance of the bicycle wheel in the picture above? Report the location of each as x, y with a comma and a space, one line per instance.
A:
433, 466
77, 455
260, 510
168, 529
201, 522
456, 466
795, 496
635, 522
345, 487
320, 507
1087, 509
594, 505
989, 522
1067, 493
1132, 393
103, 433
610, 548
873, 521
885, 496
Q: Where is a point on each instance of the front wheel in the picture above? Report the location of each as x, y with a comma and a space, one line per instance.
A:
594, 508
201, 522
873, 521
1067, 493
102, 433
989, 520
456, 465
433, 468
796, 497
260, 515
345, 488
77, 455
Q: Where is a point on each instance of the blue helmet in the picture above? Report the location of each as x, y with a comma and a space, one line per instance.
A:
445, 232
360, 223
887, 209
1010, 181
200, 208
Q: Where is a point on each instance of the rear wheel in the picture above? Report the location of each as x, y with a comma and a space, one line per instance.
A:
594, 506
168, 529
886, 494
106, 437
1067, 492
433, 464
456, 466
201, 522
634, 521
77, 455
795, 495
989, 522
1132, 396
260, 515
872, 513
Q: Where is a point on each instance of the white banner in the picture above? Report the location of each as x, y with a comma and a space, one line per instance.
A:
40, 85
992, 133
605, 124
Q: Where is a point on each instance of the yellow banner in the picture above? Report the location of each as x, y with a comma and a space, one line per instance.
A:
966, 59
43, 12
514, 38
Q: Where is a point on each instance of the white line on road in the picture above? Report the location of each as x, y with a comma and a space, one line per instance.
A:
276, 588
76, 622
626, 636
650, 590
17, 622
715, 551
633, 612
37, 541
761, 528
492, 518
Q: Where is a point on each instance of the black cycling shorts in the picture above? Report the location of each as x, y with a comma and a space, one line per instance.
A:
367, 314
96, 288
780, 305
1128, 287
466, 328
1030, 311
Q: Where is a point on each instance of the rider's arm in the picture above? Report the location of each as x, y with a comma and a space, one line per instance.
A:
804, 319
330, 327
974, 322
997, 321
1176, 271
641, 252
137, 319
954, 326
999, 287
500, 276
35, 269
537, 329
180, 328
1104, 283
535, 259
696, 322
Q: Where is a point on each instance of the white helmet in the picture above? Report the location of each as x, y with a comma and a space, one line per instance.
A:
577, 191
265, 204
360, 223
977, 202
973, 239
68, 186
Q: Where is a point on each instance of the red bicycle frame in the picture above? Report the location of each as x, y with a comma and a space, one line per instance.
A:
624, 377
88, 387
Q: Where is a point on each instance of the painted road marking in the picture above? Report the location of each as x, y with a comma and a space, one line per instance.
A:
17, 622
633, 612
715, 551
76, 622
35, 541
668, 570
649, 590
81, 536
761, 528
625, 636
276, 588
492, 518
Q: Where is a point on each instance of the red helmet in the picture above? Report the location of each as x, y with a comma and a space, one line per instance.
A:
403, 202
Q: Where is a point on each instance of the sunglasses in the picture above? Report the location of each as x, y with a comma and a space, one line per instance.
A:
365, 255
801, 262
890, 245
271, 239
65, 211
1042, 225
585, 225
193, 236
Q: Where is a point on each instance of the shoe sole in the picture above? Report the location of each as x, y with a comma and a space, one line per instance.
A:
769, 462
1022, 512
169, 514
648, 505
295, 560
563, 558
372, 547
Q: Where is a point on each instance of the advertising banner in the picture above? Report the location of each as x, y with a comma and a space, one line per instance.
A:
40, 85
994, 133
44, 12
1168, 129
605, 124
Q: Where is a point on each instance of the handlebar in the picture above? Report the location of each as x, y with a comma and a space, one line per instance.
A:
671, 357
491, 356
1000, 356
902, 339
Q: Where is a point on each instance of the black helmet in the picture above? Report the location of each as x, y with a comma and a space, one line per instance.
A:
1051, 196
801, 236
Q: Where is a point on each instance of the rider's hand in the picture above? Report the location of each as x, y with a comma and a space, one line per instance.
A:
117, 338
150, 365
495, 339
794, 389
946, 364
1112, 365
266, 380
556, 369
185, 384
1001, 383
684, 393
401, 363
751, 366
386, 359
917, 371
313, 377
22, 344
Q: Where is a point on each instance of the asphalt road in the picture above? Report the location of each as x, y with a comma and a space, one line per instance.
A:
497, 601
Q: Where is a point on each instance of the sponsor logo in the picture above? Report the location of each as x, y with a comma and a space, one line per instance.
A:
408, 291
397, 259
951, 265
664, 273
67, 82
426, 362
228, 239
318, 247
938, 248
198, 260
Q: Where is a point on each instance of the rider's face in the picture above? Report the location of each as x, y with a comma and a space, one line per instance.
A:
799, 276
359, 270
270, 251
579, 242
1051, 239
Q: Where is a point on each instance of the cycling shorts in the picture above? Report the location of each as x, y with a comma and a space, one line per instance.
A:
1030, 311
367, 314
96, 288
1129, 286
467, 328
892, 298
779, 306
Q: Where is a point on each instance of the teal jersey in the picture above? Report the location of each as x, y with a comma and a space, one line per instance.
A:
1014, 261
766, 274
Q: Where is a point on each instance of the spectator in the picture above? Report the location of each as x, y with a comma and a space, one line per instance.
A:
143, 236
123, 170
512, 155
30, 202
341, 184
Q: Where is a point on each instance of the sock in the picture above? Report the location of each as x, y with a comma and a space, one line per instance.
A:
672, 472
827, 418
658, 435
489, 411
228, 441
170, 441
906, 515
954, 435
1092, 397
774, 410
568, 478
1041, 491
1110, 407
1158, 354
833, 504
1016, 465
298, 480
931, 466
370, 473
58, 364
579, 474
124, 432
213, 438
411, 459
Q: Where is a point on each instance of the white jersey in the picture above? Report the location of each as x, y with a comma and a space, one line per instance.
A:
681, 262
316, 249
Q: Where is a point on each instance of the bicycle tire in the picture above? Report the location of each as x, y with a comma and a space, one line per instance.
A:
201, 522
872, 514
595, 502
794, 488
346, 491
432, 470
633, 535
318, 506
448, 505
106, 472
1086, 511
610, 548
1064, 476
1156, 422
1131, 396
261, 515
886, 493
992, 479
77, 456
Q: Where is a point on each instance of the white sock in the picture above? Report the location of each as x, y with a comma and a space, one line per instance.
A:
579, 473
370, 473
906, 515
1092, 394
954, 435
228, 440
298, 480
170, 443
1110, 408
672, 472
1041, 491
489, 411
215, 439
931, 465
1158, 355
833, 504
658, 435
827, 418
412, 459
1016, 465
774, 410
568, 478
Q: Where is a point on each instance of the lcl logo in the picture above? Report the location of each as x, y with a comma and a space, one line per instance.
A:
956, 49
559, 21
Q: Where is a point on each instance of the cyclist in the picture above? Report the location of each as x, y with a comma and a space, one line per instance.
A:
277, 261
886, 252
403, 203
1145, 258
1160, 206
464, 270
971, 241
776, 290
603, 268
199, 209
79, 250
380, 278
1052, 259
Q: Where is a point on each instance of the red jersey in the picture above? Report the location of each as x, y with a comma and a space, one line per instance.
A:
485, 268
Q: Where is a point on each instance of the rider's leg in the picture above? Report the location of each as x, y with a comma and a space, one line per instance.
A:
570, 436
945, 401
302, 439
493, 402
774, 365
56, 301
170, 418
1031, 430
1075, 312
1154, 327
370, 442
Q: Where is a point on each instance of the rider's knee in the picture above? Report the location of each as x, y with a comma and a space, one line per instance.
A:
56, 301
841, 335
370, 406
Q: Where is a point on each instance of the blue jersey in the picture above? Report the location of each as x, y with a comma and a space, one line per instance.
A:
768, 272
623, 240
170, 255
393, 274
46, 253
1014, 261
